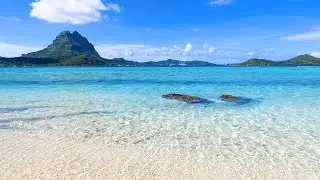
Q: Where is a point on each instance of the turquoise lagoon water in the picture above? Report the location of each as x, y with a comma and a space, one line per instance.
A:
123, 106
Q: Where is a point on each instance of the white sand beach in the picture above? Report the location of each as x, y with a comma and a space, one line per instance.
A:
31, 156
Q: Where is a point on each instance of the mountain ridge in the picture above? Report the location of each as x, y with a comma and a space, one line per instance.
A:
72, 49
301, 60
66, 46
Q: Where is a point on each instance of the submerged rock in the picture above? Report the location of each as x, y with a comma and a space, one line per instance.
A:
186, 98
235, 99
228, 97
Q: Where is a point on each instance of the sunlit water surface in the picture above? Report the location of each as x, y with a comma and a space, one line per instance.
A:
124, 107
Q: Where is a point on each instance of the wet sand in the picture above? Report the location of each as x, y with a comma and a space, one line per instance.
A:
31, 156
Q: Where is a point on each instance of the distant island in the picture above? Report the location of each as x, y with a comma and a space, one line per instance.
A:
72, 49
303, 60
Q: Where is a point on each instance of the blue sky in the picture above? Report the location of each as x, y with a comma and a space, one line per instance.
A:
220, 31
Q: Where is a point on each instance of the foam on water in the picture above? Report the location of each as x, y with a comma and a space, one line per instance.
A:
124, 107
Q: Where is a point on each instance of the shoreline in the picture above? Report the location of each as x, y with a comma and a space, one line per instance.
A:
217, 66
25, 155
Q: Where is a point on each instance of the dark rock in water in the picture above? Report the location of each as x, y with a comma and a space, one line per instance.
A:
228, 97
186, 98
235, 99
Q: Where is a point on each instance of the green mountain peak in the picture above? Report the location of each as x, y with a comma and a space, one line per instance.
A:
67, 45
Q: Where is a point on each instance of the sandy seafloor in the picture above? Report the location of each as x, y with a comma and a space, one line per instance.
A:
112, 123
30, 156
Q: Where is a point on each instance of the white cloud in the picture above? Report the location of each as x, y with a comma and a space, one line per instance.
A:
71, 11
270, 50
10, 19
309, 36
176, 47
142, 52
220, 2
113, 7
188, 48
129, 52
14, 50
251, 53
207, 50
139, 52
315, 54
211, 50
120, 50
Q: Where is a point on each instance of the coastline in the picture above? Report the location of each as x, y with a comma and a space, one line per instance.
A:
214, 66
28, 155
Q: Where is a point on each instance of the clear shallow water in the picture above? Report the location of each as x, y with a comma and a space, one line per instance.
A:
123, 106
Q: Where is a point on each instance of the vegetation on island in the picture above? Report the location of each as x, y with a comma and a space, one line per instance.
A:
303, 60
72, 49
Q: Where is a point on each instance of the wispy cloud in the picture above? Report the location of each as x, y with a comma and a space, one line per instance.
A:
308, 36
113, 7
251, 53
210, 49
189, 51
10, 19
71, 11
315, 54
15, 50
143, 52
220, 2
